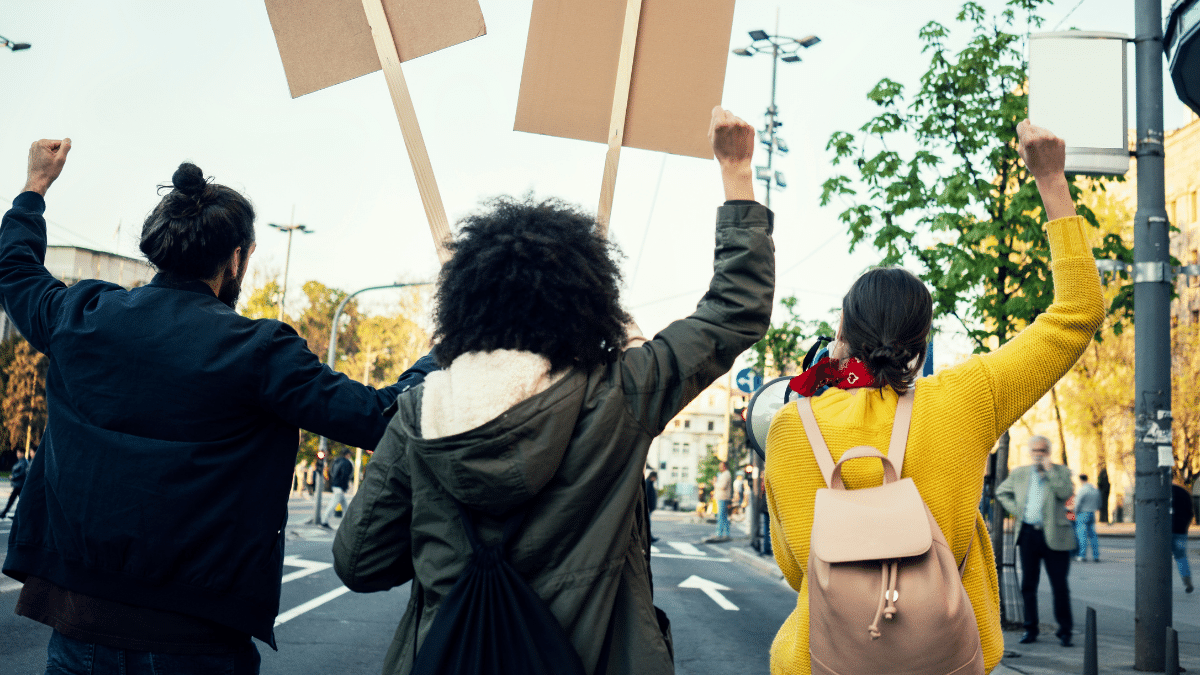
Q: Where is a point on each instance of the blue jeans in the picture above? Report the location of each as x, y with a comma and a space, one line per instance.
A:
1085, 531
1179, 550
66, 656
722, 517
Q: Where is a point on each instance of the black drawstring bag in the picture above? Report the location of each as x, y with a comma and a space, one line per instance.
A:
492, 623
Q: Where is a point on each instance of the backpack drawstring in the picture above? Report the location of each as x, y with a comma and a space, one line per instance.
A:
889, 575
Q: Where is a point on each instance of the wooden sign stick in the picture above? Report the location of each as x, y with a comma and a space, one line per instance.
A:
414, 142
616, 120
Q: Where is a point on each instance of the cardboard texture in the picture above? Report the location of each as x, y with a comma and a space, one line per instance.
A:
326, 42
570, 72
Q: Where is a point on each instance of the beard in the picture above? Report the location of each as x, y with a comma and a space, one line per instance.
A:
231, 289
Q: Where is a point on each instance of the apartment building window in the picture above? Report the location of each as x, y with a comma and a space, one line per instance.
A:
683, 473
676, 424
710, 426
1194, 281
687, 448
687, 424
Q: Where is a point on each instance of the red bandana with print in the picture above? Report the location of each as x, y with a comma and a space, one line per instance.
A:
827, 373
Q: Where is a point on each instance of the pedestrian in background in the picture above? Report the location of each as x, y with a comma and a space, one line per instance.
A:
958, 412
152, 530
1036, 495
1181, 518
723, 494
339, 480
1087, 502
17, 480
541, 415
298, 477
651, 501
739, 494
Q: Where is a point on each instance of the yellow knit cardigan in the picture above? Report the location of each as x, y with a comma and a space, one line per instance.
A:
958, 414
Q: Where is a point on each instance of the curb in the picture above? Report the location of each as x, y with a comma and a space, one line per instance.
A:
758, 562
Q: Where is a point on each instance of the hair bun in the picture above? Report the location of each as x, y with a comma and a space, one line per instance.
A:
189, 179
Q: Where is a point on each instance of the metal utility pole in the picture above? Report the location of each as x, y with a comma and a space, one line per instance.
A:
287, 260
1152, 278
781, 48
331, 360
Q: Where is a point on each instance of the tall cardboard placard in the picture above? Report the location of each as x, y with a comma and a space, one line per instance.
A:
326, 42
570, 84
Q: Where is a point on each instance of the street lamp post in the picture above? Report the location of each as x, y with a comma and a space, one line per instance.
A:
14, 46
290, 229
781, 48
323, 450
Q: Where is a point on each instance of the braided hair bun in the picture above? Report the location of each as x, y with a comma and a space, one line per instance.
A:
886, 317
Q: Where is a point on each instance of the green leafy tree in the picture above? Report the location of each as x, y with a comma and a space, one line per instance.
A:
24, 403
263, 300
938, 182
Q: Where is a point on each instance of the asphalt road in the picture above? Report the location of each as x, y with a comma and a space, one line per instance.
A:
725, 605
323, 628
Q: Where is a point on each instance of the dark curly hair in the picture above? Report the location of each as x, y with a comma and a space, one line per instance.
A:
531, 276
886, 318
196, 226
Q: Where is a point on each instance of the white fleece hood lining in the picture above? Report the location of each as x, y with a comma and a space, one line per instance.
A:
479, 387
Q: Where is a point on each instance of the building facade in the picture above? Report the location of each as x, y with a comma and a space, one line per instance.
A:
71, 264
698, 429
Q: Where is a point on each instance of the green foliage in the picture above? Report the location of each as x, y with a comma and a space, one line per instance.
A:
783, 345
939, 182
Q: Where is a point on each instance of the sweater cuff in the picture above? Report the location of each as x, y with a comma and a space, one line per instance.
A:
30, 201
1069, 238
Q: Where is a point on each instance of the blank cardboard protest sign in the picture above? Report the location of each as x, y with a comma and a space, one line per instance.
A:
678, 72
326, 42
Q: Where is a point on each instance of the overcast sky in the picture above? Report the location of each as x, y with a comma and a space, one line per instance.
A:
141, 85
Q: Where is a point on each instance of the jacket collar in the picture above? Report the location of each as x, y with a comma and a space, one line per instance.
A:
164, 280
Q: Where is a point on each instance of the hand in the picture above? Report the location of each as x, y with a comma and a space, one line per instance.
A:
46, 159
1044, 154
733, 145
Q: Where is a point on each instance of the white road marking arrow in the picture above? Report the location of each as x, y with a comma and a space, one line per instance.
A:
710, 589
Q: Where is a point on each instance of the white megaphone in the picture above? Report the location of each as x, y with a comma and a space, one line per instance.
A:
774, 395
762, 408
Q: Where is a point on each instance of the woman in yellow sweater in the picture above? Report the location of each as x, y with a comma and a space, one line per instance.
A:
958, 413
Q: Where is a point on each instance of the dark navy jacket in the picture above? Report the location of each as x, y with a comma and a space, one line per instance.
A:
163, 475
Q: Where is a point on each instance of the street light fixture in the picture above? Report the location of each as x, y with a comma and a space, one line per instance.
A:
781, 48
14, 46
290, 229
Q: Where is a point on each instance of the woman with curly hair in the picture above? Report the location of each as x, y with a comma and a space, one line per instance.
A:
956, 417
541, 410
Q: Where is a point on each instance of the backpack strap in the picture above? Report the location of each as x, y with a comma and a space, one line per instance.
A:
900, 427
816, 440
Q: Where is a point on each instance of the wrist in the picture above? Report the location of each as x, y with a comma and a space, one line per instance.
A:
738, 181
38, 186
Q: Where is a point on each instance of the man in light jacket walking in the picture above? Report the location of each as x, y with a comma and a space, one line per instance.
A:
1036, 494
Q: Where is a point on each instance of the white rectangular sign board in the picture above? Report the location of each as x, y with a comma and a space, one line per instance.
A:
1077, 89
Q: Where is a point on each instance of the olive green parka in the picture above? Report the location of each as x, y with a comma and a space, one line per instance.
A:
573, 456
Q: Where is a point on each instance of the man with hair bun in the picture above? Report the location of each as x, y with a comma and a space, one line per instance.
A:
151, 528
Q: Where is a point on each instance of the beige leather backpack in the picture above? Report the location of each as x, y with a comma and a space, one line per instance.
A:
885, 595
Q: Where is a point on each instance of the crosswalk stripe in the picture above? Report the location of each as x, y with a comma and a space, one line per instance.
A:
685, 548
